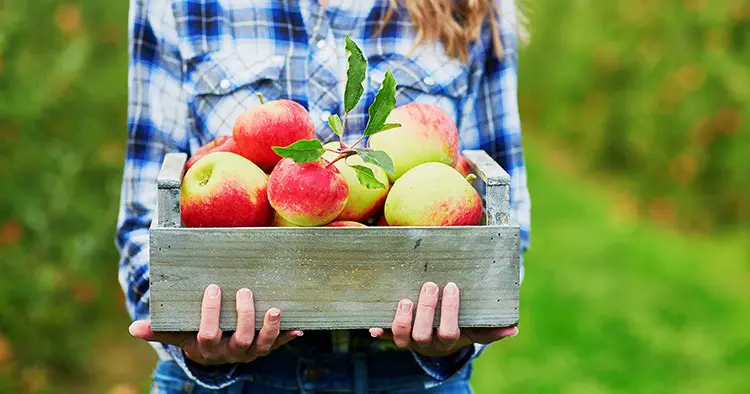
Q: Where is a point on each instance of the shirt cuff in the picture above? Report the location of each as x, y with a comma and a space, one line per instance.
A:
214, 377
440, 369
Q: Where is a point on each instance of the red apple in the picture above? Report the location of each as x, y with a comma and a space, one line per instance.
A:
224, 189
307, 194
463, 167
224, 143
274, 123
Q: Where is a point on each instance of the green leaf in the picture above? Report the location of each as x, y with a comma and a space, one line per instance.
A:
379, 158
383, 104
302, 151
389, 126
355, 75
366, 177
335, 123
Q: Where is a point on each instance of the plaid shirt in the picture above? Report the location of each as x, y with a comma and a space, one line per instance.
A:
195, 65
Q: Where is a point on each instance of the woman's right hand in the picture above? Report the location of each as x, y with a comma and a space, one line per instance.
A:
208, 347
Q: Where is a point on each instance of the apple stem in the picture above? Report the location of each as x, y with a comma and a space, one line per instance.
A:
260, 97
343, 130
342, 155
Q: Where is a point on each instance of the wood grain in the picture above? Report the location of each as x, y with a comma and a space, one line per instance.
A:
333, 278
497, 186
168, 183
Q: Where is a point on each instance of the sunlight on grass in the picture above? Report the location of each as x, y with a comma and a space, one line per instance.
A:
617, 305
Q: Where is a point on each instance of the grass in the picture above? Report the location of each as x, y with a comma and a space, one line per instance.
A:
611, 303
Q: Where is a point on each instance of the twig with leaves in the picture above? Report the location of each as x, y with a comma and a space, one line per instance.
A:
304, 151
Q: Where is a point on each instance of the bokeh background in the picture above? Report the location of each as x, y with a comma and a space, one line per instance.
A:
637, 130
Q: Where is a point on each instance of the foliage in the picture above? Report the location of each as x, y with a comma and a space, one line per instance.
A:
62, 136
656, 92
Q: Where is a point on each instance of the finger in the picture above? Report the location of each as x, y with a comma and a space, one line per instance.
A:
423, 321
142, 329
448, 331
489, 335
209, 334
243, 336
401, 327
269, 332
285, 337
377, 332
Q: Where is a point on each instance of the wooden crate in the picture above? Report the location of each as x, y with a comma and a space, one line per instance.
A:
334, 278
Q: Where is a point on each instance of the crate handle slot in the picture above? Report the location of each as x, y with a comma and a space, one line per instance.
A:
497, 181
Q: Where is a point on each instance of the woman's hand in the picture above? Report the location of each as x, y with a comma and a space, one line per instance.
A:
208, 347
448, 338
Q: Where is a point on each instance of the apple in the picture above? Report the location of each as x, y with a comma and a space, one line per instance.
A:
274, 123
345, 223
363, 202
223, 143
427, 134
279, 221
224, 189
433, 194
462, 166
307, 194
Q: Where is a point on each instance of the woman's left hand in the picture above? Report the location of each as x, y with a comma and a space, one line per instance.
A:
448, 338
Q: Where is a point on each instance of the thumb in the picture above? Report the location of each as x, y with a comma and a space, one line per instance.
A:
142, 329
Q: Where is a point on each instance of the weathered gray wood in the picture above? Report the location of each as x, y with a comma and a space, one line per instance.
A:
172, 171
168, 182
497, 190
333, 278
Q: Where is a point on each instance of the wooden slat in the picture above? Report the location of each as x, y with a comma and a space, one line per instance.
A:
497, 189
333, 278
168, 182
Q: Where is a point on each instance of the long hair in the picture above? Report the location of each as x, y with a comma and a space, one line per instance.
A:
455, 23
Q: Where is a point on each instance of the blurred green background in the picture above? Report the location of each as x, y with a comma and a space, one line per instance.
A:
637, 136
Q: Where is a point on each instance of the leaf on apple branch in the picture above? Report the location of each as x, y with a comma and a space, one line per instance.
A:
355, 75
389, 126
381, 107
335, 123
379, 158
366, 177
302, 151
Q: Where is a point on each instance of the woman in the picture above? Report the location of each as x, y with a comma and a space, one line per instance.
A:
195, 65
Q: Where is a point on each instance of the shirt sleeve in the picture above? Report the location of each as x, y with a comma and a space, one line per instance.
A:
490, 117
157, 124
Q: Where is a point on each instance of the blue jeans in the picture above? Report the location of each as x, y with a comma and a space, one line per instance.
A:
284, 372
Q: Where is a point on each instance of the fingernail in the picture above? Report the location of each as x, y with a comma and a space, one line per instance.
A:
212, 291
451, 289
514, 332
243, 295
430, 288
275, 315
405, 307
300, 333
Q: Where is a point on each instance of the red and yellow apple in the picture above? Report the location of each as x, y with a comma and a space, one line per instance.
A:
279, 221
345, 223
462, 166
427, 134
307, 194
274, 123
224, 189
363, 202
433, 194
224, 143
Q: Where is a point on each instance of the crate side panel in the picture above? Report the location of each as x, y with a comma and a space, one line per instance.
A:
326, 278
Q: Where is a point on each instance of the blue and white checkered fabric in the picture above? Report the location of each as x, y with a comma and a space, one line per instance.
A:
195, 65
